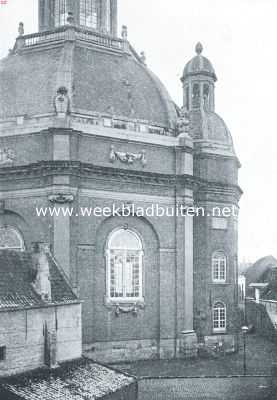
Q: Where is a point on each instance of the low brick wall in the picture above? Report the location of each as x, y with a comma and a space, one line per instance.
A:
257, 316
210, 388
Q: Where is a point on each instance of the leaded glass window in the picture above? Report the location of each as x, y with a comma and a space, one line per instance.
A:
219, 263
10, 239
88, 13
124, 265
219, 317
60, 12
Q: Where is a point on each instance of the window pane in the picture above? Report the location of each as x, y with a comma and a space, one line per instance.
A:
10, 239
124, 239
125, 263
219, 316
116, 274
219, 267
61, 12
88, 13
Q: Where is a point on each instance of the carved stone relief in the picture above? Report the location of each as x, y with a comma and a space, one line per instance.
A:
127, 157
7, 157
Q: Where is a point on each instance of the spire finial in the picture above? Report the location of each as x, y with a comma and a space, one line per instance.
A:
124, 32
199, 48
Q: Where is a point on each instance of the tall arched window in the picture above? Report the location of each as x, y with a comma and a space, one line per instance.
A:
219, 317
10, 239
219, 267
88, 13
206, 93
196, 95
60, 12
124, 266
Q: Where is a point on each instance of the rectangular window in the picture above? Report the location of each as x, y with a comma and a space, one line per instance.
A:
125, 280
88, 13
108, 27
219, 319
61, 12
3, 353
107, 122
219, 270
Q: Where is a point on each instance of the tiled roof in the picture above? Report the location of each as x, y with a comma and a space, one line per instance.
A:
16, 290
78, 380
28, 83
97, 81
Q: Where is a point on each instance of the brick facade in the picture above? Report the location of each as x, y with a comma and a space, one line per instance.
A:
67, 155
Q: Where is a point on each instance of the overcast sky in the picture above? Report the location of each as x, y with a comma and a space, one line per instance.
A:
239, 37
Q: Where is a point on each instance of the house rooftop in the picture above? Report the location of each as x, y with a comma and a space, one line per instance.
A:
76, 380
16, 289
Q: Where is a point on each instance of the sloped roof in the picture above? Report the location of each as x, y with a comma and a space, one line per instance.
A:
270, 293
16, 290
255, 273
97, 80
78, 380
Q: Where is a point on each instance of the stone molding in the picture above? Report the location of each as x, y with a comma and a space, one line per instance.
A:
7, 157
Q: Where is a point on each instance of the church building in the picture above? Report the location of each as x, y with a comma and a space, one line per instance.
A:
86, 125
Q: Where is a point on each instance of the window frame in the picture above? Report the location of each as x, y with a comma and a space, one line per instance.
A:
123, 299
60, 19
218, 307
217, 258
87, 6
19, 236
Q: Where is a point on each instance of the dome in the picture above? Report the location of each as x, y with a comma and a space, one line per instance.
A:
99, 79
199, 65
215, 129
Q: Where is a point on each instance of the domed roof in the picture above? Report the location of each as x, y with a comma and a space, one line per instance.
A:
98, 80
199, 65
215, 129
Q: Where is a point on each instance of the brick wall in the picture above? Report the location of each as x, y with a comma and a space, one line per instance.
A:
23, 335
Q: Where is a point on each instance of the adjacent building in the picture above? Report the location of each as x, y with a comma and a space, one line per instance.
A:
40, 316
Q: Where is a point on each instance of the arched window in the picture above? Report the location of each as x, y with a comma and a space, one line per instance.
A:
60, 12
219, 317
196, 95
88, 13
124, 266
219, 267
10, 239
206, 93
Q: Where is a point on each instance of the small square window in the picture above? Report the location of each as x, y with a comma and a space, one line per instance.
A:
2, 353
107, 122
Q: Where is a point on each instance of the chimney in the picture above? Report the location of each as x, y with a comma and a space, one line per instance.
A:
41, 282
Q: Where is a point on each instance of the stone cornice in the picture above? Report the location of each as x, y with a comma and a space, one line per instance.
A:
90, 171
80, 170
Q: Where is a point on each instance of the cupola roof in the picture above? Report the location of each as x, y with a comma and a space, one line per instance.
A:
199, 65
101, 75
